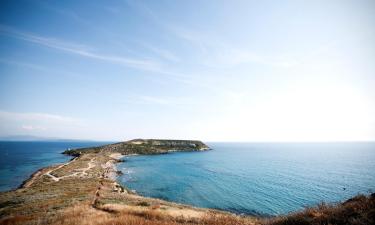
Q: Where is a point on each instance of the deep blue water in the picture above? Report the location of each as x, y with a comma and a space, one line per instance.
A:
20, 159
265, 179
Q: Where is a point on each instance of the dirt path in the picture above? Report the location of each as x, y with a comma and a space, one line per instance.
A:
82, 172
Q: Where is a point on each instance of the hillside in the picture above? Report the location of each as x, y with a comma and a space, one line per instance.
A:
143, 146
359, 210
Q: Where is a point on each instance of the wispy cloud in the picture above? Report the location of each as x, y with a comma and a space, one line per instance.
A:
35, 117
36, 123
211, 51
39, 67
25, 64
217, 53
75, 16
69, 13
165, 54
159, 100
155, 100
40, 124
145, 11
81, 50
30, 127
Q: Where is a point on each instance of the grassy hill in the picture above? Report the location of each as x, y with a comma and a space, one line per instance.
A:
143, 147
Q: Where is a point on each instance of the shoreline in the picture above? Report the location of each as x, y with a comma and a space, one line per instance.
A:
88, 179
87, 184
112, 173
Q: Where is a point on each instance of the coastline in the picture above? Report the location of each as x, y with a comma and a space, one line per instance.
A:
86, 187
87, 180
183, 210
112, 169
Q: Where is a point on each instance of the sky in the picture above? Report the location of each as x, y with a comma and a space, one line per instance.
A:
260, 71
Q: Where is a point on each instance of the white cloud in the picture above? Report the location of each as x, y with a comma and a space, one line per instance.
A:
14, 123
30, 127
15, 116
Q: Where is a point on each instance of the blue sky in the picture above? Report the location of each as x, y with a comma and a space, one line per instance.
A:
209, 70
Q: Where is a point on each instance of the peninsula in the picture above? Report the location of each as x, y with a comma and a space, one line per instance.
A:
86, 186
84, 191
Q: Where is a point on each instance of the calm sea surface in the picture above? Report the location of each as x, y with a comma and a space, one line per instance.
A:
20, 159
263, 179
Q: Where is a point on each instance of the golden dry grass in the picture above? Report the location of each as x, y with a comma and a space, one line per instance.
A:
359, 210
83, 214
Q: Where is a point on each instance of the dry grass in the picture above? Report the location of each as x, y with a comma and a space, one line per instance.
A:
16, 220
359, 210
83, 214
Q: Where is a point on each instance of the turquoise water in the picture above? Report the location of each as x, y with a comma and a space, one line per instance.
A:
257, 179
20, 159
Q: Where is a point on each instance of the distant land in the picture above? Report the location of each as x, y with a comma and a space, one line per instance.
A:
37, 138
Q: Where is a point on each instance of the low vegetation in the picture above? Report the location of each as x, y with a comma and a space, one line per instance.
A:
144, 146
83, 214
359, 210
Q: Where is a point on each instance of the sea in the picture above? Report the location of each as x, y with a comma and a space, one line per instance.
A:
20, 159
263, 179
